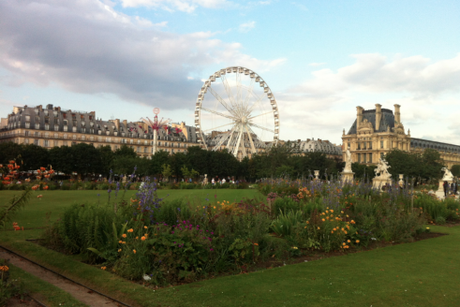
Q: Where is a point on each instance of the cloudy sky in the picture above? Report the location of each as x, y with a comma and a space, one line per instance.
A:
321, 59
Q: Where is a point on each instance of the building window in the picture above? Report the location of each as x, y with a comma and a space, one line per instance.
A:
56, 143
65, 135
27, 118
381, 144
359, 158
26, 133
74, 137
56, 128
66, 128
382, 155
364, 158
37, 134
370, 158
26, 141
47, 143
83, 137
36, 142
27, 125
37, 126
47, 135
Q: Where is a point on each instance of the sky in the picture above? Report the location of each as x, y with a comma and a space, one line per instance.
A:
320, 59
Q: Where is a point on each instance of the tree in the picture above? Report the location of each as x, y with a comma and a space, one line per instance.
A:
455, 170
166, 171
107, 157
125, 151
34, 156
156, 163
9, 151
85, 159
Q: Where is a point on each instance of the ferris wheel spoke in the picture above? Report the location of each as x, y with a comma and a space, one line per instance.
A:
228, 89
250, 91
259, 99
224, 137
218, 113
238, 88
237, 146
261, 127
255, 116
250, 139
214, 128
222, 101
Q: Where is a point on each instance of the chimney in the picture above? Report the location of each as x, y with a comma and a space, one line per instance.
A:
378, 116
397, 114
359, 117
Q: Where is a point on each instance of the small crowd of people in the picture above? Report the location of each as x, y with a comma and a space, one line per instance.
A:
450, 189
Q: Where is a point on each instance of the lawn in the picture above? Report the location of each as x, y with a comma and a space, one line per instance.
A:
423, 273
42, 211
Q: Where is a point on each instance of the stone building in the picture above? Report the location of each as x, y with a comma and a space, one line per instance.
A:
324, 146
377, 131
52, 126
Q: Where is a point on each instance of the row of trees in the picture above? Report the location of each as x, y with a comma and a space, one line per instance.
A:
280, 161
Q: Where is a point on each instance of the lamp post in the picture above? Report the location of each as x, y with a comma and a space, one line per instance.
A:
156, 111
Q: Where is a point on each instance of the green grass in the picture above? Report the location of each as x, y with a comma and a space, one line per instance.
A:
43, 211
424, 273
48, 294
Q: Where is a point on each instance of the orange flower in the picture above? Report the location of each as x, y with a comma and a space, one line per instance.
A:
143, 238
124, 235
39, 196
45, 187
103, 268
134, 251
357, 241
256, 244
130, 230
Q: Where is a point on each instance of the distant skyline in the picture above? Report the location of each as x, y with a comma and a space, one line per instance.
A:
321, 59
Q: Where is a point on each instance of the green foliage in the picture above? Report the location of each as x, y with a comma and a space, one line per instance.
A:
14, 205
285, 223
9, 287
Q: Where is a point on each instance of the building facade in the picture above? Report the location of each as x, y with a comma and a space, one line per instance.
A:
376, 132
49, 127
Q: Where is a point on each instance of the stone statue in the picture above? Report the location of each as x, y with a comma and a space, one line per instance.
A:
447, 174
348, 161
381, 172
205, 180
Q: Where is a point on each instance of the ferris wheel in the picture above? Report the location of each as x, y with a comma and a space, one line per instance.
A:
233, 112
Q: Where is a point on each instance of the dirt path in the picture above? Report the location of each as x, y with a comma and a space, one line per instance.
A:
78, 292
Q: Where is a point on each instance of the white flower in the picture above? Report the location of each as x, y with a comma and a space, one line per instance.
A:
146, 277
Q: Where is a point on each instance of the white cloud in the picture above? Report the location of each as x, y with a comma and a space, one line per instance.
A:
87, 47
180, 5
428, 92
246, 27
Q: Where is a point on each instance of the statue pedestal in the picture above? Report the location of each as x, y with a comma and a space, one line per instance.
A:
347, 177
379, 183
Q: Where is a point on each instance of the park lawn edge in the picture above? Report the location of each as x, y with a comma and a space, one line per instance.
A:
138, 295
43, 291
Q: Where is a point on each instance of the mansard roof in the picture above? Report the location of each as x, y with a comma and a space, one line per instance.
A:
387, 121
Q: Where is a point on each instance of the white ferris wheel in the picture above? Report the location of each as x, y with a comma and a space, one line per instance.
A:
236, 110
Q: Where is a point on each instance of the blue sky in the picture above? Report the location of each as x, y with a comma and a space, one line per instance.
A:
321, 59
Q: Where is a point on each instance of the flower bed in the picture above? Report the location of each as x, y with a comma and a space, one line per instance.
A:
167, 242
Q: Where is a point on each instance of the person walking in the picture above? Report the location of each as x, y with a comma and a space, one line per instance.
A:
445, 185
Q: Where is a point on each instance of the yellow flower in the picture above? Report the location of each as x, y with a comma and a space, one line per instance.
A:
332, 211
124, 235
137, 238
319, 228
134, 251
120, 241
323, 220
428, 228
119, 250
348, 241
